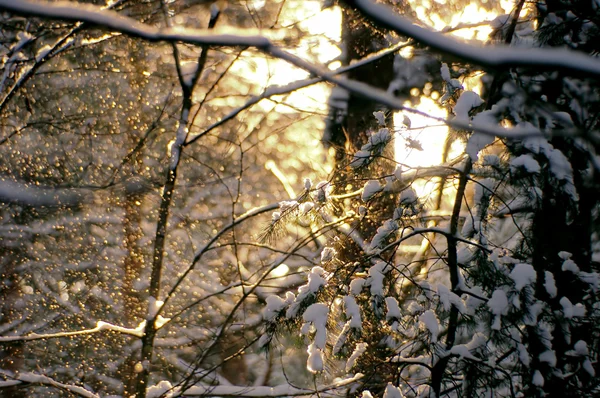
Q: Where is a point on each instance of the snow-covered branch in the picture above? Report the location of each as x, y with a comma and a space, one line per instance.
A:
32, 378
101, 326
497, 56
112, 20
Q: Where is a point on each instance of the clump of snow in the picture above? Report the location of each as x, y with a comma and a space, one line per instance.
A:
392, 392
498, 304
275, 305
549, 357
524, 356
42, 52
360, 159
352, 311
526, 162
358, 351
316, 281
328, 254
561, 168
538, 379
398, 173
408, 197
393, 309
569, 265
448, 298
478, 140
588, 367
567, 307
371, 188
308, 184
383, 232
430, 320
316, 315
453, 84
523, 274
164, 389
581, 348
306, 207
276, 216
381, 137
476, 143
380, 116
154, 306
467, 101
376, 276
286, 205
366, 394
560, 165
462, 351
323, 189
356, 286
314, 363
550, 284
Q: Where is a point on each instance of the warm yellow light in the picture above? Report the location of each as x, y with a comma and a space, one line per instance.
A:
320, 46
424, 132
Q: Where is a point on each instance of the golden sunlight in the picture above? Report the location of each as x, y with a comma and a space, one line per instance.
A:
473, 22
320, 45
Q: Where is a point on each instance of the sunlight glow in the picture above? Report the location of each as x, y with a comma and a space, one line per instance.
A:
472, 22
320, 45
281, 270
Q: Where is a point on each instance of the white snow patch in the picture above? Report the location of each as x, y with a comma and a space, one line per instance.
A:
328, 254
316, 281
314, 363
523, 274
164, 389
550, 284
567, 307
356, 286
526, 162
376, 275
275, 305
429, 319
316, 314
371, 188
467, 101
549, 357
538, 379
352, 312
581, 348
380, 116
498, 304
358, 351
392, 392
393, 309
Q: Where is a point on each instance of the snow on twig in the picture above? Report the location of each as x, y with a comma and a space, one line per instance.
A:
100, 326
32, 378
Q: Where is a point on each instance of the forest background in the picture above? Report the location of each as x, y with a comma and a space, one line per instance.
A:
299, 198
